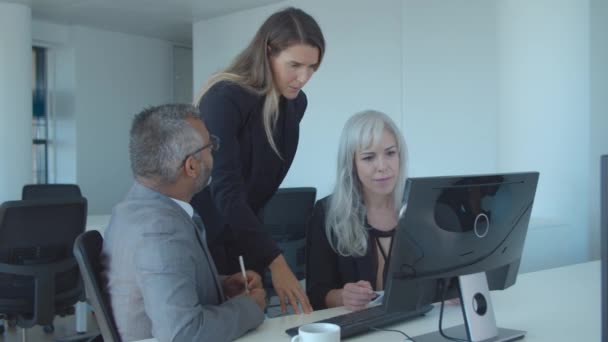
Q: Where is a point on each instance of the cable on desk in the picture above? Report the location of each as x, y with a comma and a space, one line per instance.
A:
444, 289
408, 338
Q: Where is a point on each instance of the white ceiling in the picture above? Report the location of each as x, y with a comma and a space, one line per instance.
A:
165, 19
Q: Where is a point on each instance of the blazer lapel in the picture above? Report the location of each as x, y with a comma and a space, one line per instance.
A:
199, 229
140, 191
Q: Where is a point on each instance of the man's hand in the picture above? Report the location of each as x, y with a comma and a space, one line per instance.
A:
259, 296
234, 285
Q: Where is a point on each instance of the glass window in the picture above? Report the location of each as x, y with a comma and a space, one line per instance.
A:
39, 117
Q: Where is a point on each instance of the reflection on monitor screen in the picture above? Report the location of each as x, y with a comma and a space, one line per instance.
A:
460, 237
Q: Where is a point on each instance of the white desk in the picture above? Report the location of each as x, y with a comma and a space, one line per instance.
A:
560, 304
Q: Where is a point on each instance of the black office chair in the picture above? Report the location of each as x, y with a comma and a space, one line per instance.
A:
87, 250
286, 216
39, 276
50, 191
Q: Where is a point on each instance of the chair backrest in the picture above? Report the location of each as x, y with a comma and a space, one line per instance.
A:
50, 191
286, 216
87, 250
39, 275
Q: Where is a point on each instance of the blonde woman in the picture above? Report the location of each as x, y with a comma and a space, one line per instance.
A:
255, 107
351, 230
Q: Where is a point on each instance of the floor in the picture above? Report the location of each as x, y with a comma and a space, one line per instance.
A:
65, 327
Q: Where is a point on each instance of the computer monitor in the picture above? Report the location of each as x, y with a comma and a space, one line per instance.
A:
464, 228
604, 244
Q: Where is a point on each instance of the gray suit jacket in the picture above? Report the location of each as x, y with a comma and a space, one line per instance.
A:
162, 281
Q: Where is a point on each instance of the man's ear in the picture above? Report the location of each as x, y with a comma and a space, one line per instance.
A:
189, 167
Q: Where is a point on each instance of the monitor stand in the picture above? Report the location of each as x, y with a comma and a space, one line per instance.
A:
479, 322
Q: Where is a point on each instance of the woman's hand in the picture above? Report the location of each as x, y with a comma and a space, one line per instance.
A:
355, 296
286, 285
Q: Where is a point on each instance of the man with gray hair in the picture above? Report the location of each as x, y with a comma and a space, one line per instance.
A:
162, 281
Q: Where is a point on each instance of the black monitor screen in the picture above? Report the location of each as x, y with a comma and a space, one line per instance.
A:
453, 226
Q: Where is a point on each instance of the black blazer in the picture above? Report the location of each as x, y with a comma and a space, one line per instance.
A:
327, 270
246, 173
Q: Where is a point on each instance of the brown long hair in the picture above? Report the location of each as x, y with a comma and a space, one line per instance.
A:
251, 68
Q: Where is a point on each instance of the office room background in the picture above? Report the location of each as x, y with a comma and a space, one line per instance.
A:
477, 86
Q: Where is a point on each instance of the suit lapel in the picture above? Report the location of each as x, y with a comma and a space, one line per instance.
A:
201, 240
140, 191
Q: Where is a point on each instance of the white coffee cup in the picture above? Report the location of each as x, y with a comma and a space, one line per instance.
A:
318, 332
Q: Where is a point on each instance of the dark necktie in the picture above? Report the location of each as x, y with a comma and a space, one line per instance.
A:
198, 221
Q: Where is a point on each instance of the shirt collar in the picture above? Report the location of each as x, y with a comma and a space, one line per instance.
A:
184, 205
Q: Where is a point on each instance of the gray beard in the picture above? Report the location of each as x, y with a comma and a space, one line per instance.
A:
201, 184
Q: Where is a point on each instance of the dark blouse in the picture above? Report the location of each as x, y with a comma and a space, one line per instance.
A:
327, 270
246, 173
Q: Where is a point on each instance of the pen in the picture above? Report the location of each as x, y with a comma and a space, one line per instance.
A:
242, 263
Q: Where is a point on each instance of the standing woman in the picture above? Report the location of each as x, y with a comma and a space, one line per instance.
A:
255, 107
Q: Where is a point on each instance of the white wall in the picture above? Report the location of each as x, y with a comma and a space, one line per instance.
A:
477, 86
15, 100
102, 79
449, 86
182, 74
544, 103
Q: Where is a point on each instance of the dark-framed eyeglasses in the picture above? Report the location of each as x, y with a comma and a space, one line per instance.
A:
214, 144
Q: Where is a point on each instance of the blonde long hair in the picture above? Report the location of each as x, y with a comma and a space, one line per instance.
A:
345, 221
251, 68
